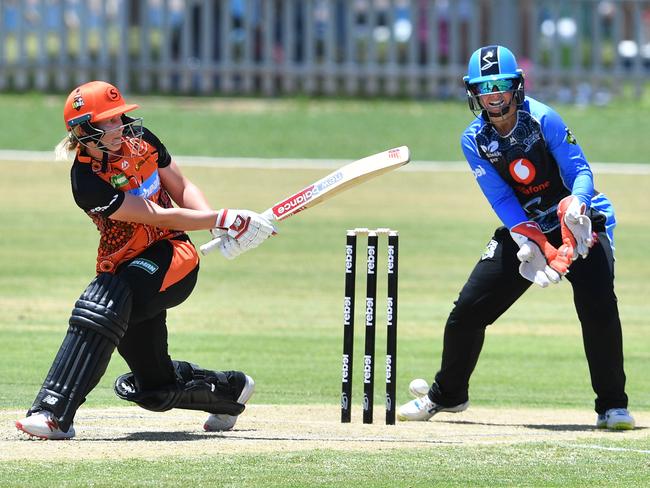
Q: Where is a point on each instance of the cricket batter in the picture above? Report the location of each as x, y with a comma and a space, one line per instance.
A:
555, 223
125, 180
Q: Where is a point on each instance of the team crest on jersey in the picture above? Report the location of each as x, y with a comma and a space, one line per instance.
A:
522, 171
530, 140
138, 147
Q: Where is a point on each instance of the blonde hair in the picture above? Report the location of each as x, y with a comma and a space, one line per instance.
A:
64, 150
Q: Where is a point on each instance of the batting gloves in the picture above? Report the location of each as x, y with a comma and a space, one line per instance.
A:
575, 226
240, 231
228, 246
541, 262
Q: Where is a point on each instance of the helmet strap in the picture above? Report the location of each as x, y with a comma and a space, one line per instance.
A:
104, 161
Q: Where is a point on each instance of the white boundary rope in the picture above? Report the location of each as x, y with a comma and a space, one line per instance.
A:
291, 163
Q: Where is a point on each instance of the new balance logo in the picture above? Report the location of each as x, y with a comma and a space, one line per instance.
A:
127, 387
50, 400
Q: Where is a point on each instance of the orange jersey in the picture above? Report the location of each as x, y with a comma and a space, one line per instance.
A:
99, 191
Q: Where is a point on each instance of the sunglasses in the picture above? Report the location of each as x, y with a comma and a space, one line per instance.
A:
492, 86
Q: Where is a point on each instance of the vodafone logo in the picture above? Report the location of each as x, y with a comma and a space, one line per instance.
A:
522, 171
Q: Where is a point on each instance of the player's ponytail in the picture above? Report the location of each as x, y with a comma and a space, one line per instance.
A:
64, 149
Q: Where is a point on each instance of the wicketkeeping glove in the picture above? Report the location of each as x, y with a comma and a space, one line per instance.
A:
575, 226
541, 262
248, 228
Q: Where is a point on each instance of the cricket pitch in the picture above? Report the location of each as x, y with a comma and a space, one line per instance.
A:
131, 432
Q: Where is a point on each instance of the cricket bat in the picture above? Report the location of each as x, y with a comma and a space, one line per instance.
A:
350, 175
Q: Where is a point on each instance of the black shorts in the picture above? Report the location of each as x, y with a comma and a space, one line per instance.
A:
161, 277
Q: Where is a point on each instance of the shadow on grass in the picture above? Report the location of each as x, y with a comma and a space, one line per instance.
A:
240, 435
176, 436
549, 427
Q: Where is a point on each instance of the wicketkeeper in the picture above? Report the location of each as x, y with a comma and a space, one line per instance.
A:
125, 180
538, 181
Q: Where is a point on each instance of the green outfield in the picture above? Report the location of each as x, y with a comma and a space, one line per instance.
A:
345, 129
276, 312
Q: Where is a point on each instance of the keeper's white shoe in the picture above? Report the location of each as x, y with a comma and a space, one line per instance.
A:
422, 409
615, 419
217, 422
44, 426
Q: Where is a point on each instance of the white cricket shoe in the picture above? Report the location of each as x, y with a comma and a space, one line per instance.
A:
615, 419
44, 426
422, 409
217, 422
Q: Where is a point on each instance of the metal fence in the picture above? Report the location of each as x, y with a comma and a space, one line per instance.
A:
576, 49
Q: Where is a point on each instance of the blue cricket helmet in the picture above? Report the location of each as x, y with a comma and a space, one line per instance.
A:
490, 63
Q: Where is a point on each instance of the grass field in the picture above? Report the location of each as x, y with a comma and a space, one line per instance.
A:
276, 314
346, 129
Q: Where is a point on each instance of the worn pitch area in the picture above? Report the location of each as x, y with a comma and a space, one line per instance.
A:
130, 432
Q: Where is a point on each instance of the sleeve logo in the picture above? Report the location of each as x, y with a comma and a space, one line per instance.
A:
570, 138
490, 249
479, 171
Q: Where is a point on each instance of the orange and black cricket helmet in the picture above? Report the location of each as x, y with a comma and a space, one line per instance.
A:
93, 102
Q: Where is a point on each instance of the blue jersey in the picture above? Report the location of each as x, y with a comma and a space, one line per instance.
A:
526, 173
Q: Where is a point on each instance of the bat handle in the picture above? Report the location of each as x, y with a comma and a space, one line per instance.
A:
268, 214
210, 246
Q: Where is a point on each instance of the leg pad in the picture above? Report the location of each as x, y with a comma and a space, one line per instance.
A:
195, 389
98, 322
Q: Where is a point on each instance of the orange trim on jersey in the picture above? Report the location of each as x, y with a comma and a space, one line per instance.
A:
184, 260
120, 240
